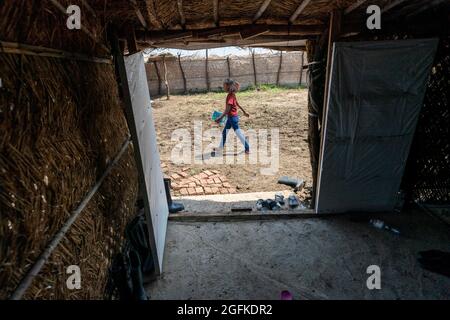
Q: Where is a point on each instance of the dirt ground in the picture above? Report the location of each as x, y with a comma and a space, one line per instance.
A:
285, 109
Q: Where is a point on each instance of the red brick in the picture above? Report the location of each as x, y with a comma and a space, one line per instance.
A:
227, 185
217, 180
231, 190
183, 174
208, 173
203, 175
175, 176
215, 171
223, 190
192, 184
199, 190
215, 190
223, 179
191, 191
208, 190
184, 191
210, 181
174, 185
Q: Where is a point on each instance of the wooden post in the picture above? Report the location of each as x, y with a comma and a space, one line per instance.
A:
279, 68
229, 67
159, 77
254, 67
182, 74
206, 71
122, 45
131, 41
301, 68
333, 34
166, 82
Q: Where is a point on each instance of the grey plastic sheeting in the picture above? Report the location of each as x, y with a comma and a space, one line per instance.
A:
375, 95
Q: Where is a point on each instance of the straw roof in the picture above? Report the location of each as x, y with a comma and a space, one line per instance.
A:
188, 24
178, 24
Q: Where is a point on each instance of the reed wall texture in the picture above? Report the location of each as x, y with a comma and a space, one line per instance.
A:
241, 69
61, 124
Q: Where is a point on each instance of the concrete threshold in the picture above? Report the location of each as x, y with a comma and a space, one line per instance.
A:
237, 206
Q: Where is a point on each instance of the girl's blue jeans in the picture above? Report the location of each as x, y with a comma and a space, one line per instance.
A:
233, 122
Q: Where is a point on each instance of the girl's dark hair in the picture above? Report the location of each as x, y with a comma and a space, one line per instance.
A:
233, 85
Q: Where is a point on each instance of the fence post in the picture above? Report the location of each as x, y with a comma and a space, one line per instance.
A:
159, 77
301, 69
279, 68
182, 74
166, 82
229, 67
207, 73
254, 67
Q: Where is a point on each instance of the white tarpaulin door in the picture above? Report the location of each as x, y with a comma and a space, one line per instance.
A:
155, 201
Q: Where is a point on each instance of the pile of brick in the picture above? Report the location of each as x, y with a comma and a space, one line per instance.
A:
205, 182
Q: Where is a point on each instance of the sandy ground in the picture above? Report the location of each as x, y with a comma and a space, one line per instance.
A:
283, 109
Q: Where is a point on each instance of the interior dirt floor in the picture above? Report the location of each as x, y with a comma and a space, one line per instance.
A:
315, 258
283, 109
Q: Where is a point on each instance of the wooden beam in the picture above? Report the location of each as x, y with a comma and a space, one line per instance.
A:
392, 4
139, 13
131, 41
181, 13
283, 48
252, 33
151, 14
297, 30
229, 67
299, 10
18, 48
261, 10
216, 12
354, 6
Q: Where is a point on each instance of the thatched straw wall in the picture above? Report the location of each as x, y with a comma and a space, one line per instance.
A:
61, 124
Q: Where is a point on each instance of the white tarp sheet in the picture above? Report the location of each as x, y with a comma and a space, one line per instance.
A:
148, 147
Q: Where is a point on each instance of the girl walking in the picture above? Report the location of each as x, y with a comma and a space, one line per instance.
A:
231, 111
